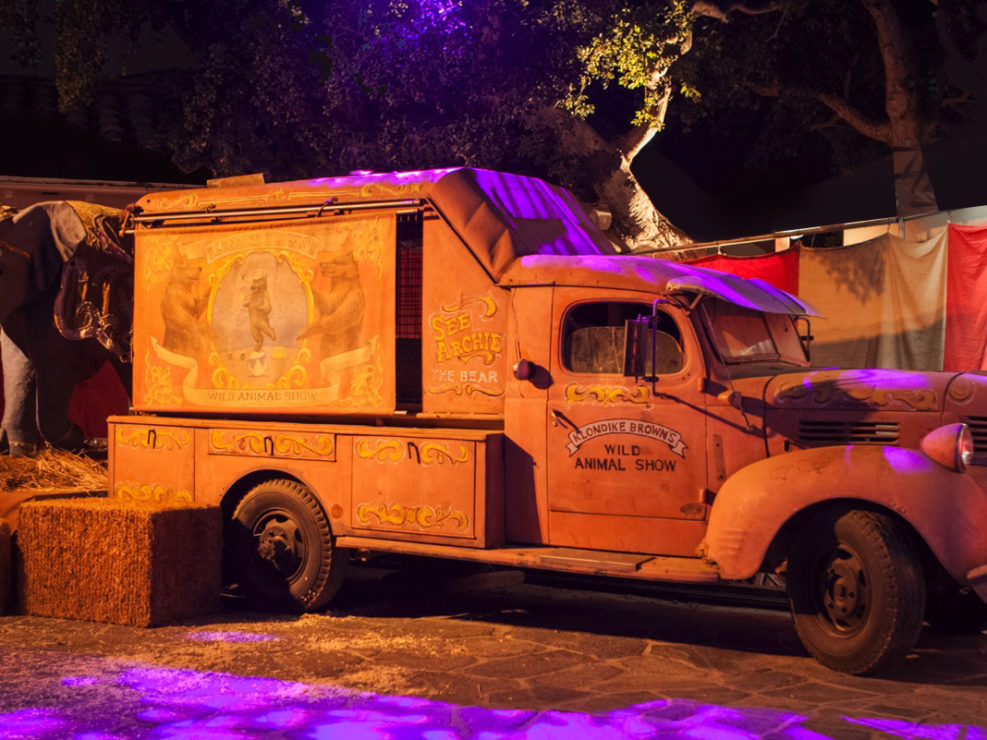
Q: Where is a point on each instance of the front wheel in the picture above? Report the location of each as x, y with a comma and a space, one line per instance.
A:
281, 548
856, 590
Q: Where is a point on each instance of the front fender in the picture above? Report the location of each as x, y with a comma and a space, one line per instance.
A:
948, 509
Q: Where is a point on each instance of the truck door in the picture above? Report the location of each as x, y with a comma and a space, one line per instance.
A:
626, 456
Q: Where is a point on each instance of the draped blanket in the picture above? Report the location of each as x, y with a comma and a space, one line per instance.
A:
883, 301
966, 299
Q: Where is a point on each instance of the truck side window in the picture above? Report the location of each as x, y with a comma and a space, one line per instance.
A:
593, 335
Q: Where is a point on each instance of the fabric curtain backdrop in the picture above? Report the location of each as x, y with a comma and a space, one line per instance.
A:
781, 269
966, 298
883, 303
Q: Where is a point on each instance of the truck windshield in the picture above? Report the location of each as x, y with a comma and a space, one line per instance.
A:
743, 335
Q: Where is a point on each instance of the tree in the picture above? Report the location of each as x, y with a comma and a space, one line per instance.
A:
569, 90
862, 77
305, 87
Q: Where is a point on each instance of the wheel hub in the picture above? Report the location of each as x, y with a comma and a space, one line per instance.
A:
278, 545
844, 594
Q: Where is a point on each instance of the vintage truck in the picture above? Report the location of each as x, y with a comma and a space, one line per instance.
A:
457, 363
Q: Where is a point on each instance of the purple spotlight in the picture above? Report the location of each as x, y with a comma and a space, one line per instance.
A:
229, 637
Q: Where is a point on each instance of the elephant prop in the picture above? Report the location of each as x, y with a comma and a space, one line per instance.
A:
66, 308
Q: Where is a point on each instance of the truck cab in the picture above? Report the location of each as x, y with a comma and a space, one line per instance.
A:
457, 363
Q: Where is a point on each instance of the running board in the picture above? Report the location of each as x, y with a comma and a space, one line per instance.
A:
563, 559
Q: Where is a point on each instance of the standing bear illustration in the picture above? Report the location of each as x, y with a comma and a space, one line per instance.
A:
258, 307
340, 309
182, 307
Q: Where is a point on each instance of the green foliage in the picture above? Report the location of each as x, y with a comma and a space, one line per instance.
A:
298, 87
636, 48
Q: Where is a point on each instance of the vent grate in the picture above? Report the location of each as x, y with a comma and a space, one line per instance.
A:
818, 433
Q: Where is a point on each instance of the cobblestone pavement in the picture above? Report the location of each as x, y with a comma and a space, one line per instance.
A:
403, 655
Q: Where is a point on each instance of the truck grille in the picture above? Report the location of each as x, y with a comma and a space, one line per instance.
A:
978, 428
819, 433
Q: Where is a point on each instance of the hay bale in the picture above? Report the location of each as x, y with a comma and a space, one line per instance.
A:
52, 469
126, 562
6, 569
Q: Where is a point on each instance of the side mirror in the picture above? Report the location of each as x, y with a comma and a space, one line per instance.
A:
650, 352
730, 398
804, 336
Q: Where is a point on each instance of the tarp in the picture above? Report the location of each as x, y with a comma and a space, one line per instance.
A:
781, 269
499, 216
966, 299
883, 301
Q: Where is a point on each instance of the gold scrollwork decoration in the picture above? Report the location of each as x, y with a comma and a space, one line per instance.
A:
155, 492
384, 451
282, 445
366, 386
487, 303
152, 438
439, 453
368, 235
158, 385
607, 394
426, 517
834, 394
461, 389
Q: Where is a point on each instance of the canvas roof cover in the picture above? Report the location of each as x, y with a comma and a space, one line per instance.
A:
499, 216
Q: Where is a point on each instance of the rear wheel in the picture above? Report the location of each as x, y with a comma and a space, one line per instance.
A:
856, 590
281, 548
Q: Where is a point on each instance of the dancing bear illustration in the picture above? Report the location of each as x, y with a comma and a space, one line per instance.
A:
258, 307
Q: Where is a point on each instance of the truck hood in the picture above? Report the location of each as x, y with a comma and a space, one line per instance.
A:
853, 390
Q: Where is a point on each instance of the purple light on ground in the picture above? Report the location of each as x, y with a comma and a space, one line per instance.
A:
229, 637
80, 681
152, 702
901, 728
33, 722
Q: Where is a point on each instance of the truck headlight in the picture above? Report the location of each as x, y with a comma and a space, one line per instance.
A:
950, 445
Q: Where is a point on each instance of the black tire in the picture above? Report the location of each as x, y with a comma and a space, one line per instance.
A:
856, 590
956, 611
281, 549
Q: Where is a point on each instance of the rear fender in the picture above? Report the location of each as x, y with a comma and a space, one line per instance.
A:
946, 508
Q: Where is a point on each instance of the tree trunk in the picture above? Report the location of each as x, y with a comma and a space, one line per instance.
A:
913, 189
605, 170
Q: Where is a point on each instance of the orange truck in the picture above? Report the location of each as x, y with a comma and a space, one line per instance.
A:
457, 364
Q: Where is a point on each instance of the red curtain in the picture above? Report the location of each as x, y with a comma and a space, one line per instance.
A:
781, 269
966, 298
96, 398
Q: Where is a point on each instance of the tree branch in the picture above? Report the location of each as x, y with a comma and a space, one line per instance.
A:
711, 10
878, 130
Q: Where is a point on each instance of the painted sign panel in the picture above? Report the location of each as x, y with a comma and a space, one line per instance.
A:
464, 353
290, 317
